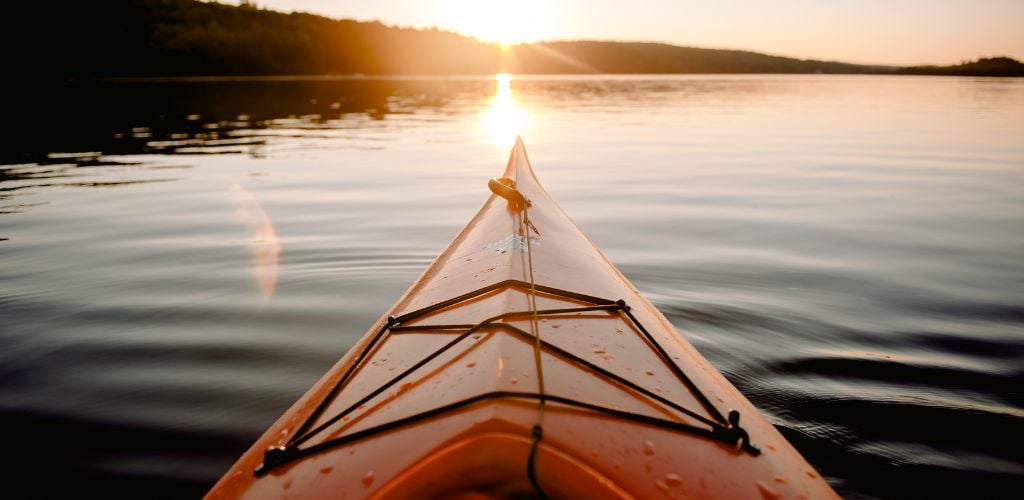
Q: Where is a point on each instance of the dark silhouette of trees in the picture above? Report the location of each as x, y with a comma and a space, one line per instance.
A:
186, 37
635, 57
986, 66
127, 38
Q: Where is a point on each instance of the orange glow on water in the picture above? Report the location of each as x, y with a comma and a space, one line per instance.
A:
264, 244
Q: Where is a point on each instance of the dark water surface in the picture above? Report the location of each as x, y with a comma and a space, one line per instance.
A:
180, 261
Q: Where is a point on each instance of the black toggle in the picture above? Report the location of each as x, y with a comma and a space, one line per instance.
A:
272, 457
733, 433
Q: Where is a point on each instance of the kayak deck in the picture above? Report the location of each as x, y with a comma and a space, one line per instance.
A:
716, 427
522, 362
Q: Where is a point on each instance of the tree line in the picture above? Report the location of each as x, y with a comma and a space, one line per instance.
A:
129, 38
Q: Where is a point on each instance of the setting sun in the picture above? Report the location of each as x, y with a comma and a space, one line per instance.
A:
496, 21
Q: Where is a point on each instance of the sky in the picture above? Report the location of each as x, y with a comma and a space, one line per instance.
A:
899, 32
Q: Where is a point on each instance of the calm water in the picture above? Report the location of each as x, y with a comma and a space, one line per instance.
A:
180, 261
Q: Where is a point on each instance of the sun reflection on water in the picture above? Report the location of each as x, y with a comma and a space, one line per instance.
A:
504, 118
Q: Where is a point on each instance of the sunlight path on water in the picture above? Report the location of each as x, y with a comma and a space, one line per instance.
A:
503, 118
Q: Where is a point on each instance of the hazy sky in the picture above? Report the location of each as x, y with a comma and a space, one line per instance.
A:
867, 31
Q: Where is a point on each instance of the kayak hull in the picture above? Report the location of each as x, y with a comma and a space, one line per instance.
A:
443, 396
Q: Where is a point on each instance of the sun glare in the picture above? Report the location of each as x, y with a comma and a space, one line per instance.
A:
506, 23
504, 118
266, 248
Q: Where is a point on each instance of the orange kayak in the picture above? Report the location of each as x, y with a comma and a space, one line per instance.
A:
522, 363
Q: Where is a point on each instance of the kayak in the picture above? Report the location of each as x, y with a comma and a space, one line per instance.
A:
522, 363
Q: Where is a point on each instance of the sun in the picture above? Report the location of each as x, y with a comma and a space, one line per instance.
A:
495, 21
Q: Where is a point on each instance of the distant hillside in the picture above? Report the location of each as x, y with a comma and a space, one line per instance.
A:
186, 37
127, 38
633, 57
991, 66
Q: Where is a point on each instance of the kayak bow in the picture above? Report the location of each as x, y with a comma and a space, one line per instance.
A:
522, 362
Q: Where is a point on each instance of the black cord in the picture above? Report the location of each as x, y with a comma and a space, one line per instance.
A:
531, 463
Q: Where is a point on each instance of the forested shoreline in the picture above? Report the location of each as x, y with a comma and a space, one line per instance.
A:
175, 38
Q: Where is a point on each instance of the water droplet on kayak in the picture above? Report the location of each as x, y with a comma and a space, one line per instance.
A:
326, 470
598, 349
288, 483
368, 478
780, 480
811, 474
513, 381
471, 364
661, 485
649, 372
766, 492
648, 447
618, 331
405, 387
770, 447
673, 479
556, 326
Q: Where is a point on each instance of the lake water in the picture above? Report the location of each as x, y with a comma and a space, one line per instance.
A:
179, 261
